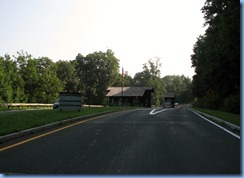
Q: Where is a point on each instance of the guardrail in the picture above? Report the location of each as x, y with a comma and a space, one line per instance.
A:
19, 105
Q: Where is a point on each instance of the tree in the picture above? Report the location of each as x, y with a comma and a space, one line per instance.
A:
50, 85
216, 55
2, 79
67, 75
150, 76
5, 85
40, 80
96, 72
11, 84
125, 81
181, 86
27, 67
6, 89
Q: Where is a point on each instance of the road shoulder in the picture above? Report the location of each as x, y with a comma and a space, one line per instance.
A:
224, 125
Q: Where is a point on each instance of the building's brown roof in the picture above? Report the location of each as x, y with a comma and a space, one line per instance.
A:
169, 95
127, 91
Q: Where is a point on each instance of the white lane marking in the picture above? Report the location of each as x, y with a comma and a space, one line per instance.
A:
237, 136
153, 113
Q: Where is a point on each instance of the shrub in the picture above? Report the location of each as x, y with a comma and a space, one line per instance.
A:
232, 104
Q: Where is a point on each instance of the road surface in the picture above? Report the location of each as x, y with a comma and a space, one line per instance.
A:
135, 142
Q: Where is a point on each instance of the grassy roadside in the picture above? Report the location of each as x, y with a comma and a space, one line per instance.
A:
17, 121
229, 117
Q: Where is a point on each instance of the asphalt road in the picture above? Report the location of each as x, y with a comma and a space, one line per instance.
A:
134, 142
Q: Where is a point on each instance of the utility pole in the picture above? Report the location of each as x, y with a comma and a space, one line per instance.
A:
122, 92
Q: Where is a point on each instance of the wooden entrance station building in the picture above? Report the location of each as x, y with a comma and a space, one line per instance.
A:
130, 96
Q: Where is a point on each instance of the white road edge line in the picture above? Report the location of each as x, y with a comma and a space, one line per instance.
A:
153, 113
237, 136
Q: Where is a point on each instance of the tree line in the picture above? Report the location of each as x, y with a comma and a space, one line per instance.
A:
216, 57
26, 79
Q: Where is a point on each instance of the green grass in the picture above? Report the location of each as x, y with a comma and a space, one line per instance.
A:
229, 117
17, 121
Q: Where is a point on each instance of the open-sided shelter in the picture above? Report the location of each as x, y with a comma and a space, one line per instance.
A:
169, 99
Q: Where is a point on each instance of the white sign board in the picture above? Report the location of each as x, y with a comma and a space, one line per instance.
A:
70, 101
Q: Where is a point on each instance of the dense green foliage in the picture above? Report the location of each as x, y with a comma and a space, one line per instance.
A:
24, 78
181, 85
96, 72
216, 57
150, 76
27, 79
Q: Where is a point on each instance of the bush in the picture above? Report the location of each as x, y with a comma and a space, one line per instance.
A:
232, 104
213, 102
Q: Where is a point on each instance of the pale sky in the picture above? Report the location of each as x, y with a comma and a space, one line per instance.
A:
135, 30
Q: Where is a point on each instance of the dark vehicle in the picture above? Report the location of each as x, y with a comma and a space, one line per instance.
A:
56, 104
